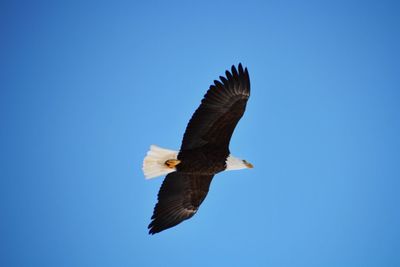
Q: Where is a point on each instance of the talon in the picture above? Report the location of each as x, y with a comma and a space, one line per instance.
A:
171, 163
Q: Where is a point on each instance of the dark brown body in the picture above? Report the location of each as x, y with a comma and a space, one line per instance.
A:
204, 160
204, 150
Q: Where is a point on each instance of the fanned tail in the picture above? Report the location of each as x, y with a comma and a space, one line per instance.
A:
154, 162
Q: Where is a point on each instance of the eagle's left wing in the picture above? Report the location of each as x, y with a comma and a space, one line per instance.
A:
179, 199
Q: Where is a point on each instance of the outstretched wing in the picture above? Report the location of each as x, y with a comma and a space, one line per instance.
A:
220, 110
179, 199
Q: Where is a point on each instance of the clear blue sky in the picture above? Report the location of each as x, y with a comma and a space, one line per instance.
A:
86, 87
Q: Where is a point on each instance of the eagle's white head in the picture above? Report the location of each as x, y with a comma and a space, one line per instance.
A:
233, 163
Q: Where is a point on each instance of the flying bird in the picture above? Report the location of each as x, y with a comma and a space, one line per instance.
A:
204, 152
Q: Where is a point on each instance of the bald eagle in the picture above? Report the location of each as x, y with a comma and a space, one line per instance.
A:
204, 152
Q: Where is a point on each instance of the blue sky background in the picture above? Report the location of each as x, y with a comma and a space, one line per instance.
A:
86, 87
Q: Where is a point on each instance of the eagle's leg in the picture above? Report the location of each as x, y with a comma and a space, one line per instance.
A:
171, 163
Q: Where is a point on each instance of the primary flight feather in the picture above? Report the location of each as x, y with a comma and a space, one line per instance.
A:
204, 151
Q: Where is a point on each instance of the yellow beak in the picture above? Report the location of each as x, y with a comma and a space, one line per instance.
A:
249, 165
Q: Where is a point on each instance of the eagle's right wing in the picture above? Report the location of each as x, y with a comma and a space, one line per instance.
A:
220, 110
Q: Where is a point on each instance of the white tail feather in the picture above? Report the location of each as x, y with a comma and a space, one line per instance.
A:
154, 162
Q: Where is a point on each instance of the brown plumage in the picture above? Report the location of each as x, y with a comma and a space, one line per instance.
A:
178, 199
204, 150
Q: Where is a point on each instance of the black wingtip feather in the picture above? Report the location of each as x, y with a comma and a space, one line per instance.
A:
223, 80
240, 68
235, 73
228, 75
